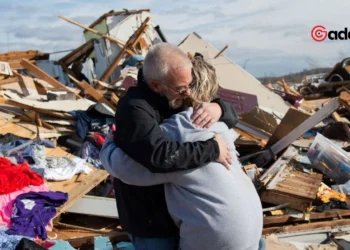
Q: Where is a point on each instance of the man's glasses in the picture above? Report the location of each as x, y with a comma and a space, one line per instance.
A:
182, 91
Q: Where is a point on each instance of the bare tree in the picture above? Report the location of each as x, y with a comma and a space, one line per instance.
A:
311, 62
341, 55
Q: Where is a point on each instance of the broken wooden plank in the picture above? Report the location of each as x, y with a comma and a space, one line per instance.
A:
77, 54
26, 84
287, 219
61, 106
92, 92
307, 227
106, 85
112, 39
9, 80
17, 64
107, 73
297, 203
114, 98
19, 55
44, 111
46, 77
297, 188
25, 130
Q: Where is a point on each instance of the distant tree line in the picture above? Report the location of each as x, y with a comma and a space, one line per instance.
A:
293, 77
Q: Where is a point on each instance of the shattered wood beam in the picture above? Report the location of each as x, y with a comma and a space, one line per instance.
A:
114, 98
26, 84
17, 64
46, 77
92, 92
131, 40
221, 51
9, 80
307, 227
79, 52
44, 111
112, 39
137, 39
19, 55
40, 88
290, 90
284, 219
105, 85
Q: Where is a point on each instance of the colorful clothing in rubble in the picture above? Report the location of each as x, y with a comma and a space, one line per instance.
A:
91, 147
7, 200
33, 211
10, 242
57, 168
16, 177
27, 153
9, 137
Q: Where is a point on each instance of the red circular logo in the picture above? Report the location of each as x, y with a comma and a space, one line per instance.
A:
319, 33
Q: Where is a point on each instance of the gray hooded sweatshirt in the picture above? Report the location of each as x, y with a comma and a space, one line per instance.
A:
214, 208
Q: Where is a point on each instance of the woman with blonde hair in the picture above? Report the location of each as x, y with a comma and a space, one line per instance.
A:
213, 207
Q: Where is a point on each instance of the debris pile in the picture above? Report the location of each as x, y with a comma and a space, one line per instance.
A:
54, 119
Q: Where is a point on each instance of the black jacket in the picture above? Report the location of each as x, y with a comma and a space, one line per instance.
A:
142, 210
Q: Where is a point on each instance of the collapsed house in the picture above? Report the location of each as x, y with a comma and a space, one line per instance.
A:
293, 148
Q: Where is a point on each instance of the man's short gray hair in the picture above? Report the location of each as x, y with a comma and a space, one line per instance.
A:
160, 59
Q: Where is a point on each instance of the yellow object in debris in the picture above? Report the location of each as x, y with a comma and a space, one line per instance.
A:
325, 193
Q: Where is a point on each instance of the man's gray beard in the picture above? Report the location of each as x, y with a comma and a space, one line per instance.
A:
174, 104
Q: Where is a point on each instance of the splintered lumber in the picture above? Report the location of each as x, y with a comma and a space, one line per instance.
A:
26, 84
19, 55
40, 88
32, 116
130, 42
286, 219
324, 225
112, 39
297, 188
9, 80
26, 130
78, 53
44, 76
17, 64
44, 111
60, 106
92, 92
114, 98
290, 90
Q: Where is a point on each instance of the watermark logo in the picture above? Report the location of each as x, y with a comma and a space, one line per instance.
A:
319, 33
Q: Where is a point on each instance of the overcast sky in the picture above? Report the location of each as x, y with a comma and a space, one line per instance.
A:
269, 37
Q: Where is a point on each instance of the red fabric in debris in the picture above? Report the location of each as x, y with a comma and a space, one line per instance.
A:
15, 177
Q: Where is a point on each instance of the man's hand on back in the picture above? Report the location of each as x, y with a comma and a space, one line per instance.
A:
225, 154
206, 114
